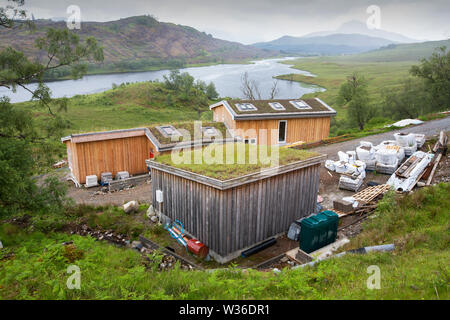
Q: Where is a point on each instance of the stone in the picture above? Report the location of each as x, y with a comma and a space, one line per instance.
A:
151, 212
1, 245
154, 219
132, 206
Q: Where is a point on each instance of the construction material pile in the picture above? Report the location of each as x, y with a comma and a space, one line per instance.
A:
362, 202
406, 177
420, 166
352, 171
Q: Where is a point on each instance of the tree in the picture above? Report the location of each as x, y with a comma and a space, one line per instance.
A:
353, 93
274, 90
211, 91
22, 144
436, 73
249, 88
409, 101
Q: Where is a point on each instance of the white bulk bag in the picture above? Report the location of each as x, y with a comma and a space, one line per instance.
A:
386, 156
364, 154
405, 140
341, 166
343, 156
329, 164
351, 156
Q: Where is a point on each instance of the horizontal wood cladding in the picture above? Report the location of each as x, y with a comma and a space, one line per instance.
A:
241, 216
302, 129
299, 129
113, 155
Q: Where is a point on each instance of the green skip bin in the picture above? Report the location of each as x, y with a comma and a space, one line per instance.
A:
318, 231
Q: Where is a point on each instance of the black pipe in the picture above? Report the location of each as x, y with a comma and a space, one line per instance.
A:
258, 247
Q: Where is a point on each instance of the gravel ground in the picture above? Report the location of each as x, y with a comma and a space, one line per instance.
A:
428, 128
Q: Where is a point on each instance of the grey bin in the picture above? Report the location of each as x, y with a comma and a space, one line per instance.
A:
106, 177
122, 175
294, 231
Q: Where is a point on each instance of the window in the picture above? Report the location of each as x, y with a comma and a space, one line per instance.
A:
250, 141
276, 106
300, 104
282, 131
168, 131
245, 106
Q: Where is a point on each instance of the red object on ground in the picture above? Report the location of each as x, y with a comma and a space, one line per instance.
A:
198, 248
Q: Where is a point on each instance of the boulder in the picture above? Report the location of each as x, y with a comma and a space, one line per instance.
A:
151, 212
154, 219
132, 206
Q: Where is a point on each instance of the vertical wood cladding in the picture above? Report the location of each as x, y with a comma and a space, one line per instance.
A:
123, 154
235, 218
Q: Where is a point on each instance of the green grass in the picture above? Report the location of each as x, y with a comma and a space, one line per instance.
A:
33, 265
126, 106
217, 162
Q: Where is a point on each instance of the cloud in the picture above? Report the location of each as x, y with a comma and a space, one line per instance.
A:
261, 20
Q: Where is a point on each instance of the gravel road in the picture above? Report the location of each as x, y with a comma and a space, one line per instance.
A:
428, 128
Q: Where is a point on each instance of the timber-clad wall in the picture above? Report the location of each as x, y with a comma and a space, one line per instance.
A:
113, 155
238, 217
302, 129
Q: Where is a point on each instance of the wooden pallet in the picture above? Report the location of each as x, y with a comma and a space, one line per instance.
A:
343, 214
405, 169
371, 193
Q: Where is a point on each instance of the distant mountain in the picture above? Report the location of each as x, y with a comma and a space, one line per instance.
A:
334, 44
359, 27
141, 38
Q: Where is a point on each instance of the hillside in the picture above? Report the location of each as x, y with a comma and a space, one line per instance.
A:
334, 44
418, 268
141, 42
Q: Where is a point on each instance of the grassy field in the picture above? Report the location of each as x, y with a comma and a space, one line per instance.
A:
385, 69
33, 264
333, 71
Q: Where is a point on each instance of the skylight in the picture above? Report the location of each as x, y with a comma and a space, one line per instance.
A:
300, 104
169, 131
276, 106
245, 106
210, 131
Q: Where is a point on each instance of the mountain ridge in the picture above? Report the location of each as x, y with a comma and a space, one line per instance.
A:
334, 44
141, 38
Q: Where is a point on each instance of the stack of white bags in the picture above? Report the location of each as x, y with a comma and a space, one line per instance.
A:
407, 142
353, 171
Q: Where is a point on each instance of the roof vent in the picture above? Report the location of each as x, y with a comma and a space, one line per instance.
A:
300, 104
276, 106
245, 106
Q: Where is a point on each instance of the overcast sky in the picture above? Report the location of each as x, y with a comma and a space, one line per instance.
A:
250, 21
